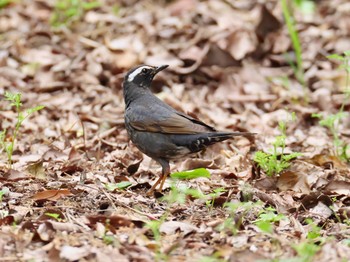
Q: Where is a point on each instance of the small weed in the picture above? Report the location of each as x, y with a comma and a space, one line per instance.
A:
332, 121
298, 67
180, 194
109, 240
346, 242
315, 231
3, 213
1, 194
5, 3
67, 11
6, 145
237, 211
54, 216
116, 9
154, 226
212, 196
267, 218
275, 162
306, 250
120, 185
306, 6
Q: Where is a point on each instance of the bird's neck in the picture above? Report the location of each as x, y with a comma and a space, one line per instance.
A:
133, 92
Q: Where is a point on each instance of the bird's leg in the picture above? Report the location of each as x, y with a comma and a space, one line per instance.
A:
165, 173
155, 185
162, 178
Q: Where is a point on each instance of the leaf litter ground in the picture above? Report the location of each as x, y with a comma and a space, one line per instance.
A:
77, 188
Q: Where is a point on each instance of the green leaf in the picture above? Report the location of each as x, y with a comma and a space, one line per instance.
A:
120, 185
306, 249
315, 115
194, 193
53, 215
34, 109
191, 174
2, 136
264, 226
4, 3
336, 57
346, 242
90, 5
108, 240
347, 53
14, 98
21, 117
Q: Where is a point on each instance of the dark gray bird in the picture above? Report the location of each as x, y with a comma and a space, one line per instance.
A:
157, 129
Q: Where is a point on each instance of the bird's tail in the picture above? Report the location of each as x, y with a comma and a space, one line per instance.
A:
232, 134
198, 142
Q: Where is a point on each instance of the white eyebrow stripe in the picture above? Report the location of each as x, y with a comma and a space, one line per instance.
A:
136, 72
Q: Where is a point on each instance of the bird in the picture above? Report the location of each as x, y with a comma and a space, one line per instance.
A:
157, 129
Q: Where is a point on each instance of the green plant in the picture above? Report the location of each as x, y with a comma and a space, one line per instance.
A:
306, 6
154, 226
67, 11
15, 100
306, 250
1, 194
180, 194
176, 195
315, 231
5, 3
332, 121
3, 213
120, 185
293, 33
191, 174
275, 162
346, 241
267, 217
108, 240
237, 211
212, 196
54, 216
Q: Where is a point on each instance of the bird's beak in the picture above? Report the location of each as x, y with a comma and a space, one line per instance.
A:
160, 68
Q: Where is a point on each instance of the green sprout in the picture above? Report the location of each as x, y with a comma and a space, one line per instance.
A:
267, 218
9, 146
68, 11
332, 121
276, 161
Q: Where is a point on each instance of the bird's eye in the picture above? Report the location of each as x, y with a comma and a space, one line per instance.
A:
145, 70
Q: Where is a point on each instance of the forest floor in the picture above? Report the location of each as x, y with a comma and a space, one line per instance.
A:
76, 189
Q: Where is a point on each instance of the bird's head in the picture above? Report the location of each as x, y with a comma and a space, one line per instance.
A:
142, 75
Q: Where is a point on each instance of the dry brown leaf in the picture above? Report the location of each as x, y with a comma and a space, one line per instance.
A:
111, 222
170, 227
338, 187
293, 180
72, 253
52, 195
328, 161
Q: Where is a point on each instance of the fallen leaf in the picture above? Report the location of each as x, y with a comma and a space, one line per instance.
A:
71, 253
52, 195
170, 227
338, 187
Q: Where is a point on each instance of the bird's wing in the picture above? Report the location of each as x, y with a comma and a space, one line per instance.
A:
164, 119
